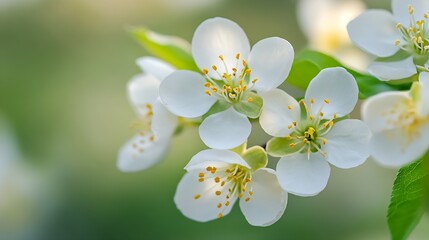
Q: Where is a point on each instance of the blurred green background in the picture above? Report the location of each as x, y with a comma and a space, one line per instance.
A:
64, 65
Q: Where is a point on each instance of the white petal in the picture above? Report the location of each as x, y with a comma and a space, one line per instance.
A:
155, 67
302, 176
386, 71
347, 143
338, 87
424, 94
164, 123
268, 201
401, 14
142, 90
140, 153
205, 208
182, 92
215, 37
382, 110
225, 130
276, 116
216, 158
270, 60
374, 31
396, 148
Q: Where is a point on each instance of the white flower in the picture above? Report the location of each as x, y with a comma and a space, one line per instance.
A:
235, 74
324, 23
22, 190
400, 124
308, 142
217, 178
382, 34
155, 124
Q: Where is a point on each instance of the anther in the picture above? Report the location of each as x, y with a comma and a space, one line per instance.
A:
249, 99
197, 196
219, 205
217, 179
221, 57
207, 84
214, 67
237, 56
397, 42
227, 203
410, 9
208, 92
201, 175
205, 71
312, 101
292, 145
247, 199
201, 180
289, 107
219, 215
326, 101
218, 193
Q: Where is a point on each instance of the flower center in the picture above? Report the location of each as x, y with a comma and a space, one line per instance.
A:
143, 128
232, 84
226, 182
308, 134
416, 35
409, 120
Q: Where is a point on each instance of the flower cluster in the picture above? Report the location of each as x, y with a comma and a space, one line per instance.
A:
238, 84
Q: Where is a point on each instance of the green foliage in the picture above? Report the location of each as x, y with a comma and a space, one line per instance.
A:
309, 63
171, 49
256, 157
408, 200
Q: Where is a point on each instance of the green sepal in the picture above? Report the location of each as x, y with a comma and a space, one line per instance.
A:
219, 106
280, 147
251, 109
240, 149
171, 49
256, 157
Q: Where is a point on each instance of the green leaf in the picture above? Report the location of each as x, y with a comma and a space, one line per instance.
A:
309, 63
251, 109
279, 147
256, 157
407, 203
171, 49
